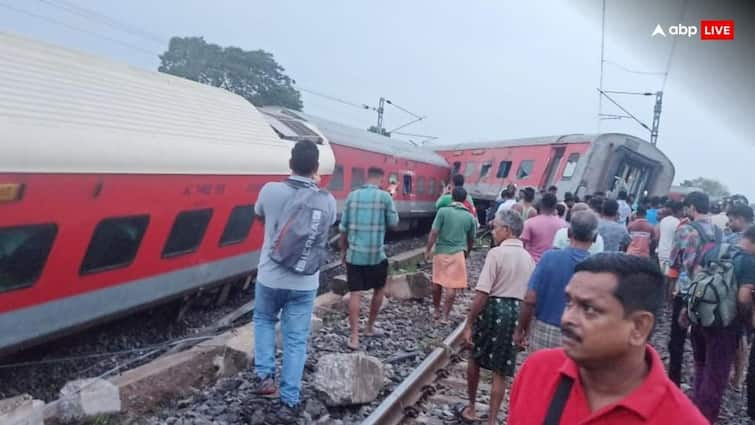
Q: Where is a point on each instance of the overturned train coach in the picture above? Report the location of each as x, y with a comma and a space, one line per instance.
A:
580, 164
121, 188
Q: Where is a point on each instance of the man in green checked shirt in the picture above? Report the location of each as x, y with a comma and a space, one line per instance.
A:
368, 212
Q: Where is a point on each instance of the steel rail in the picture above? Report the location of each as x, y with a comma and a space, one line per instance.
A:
393, 409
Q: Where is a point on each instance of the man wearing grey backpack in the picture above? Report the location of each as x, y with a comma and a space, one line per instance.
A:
709, 302
297, 216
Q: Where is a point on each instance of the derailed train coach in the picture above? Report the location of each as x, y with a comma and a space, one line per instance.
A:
121, 188
577, 163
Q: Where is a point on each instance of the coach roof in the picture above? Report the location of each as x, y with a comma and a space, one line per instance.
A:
528, 141
341, 134
63, 111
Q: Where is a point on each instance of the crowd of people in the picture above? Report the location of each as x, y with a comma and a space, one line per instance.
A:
604, 268
576, 283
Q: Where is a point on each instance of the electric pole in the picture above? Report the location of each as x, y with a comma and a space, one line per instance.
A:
380, 110
656, 118
653, 129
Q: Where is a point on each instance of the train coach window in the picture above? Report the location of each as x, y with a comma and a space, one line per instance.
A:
503, 169
571, 166
525, 169
469, 170
485, 169
336, 181
357, 177
420, 185
187, 232
407, 183
114, 243
238, 226
23, 254
431, 186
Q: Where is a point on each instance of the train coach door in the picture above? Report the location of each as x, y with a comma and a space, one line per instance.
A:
557, 152
631, 171
407, 187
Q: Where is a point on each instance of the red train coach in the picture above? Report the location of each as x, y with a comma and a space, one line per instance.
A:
420, 173
578, 163
120, 188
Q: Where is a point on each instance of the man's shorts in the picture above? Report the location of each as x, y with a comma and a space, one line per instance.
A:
364, 278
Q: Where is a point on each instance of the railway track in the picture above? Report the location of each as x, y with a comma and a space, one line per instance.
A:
409, 400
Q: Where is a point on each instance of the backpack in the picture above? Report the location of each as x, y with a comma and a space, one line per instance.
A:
712, 300
300, 242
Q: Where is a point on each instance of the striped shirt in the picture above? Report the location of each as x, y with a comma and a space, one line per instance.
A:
367, 214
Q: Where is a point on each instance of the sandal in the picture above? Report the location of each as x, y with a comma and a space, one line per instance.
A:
460, 413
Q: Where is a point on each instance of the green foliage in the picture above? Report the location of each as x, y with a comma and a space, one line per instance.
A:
254, 75
710, 186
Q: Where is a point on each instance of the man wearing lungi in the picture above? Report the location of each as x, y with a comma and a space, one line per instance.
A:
453, 232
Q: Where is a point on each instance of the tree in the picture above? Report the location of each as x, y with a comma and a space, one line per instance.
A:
254, 75
709, 186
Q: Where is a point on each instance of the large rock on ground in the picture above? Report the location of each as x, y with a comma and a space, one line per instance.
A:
85, 398
348, 378
408, 286
327, 303
21, 410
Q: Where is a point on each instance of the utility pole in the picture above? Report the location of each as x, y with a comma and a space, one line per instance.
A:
656, 117
653, 129
380, 110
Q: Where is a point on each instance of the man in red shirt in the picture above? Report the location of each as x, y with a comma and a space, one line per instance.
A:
606, 373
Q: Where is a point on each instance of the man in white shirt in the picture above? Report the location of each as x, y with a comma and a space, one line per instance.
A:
507, 201
625, 211
562, 241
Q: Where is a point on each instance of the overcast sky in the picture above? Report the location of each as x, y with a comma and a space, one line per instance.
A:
477, 69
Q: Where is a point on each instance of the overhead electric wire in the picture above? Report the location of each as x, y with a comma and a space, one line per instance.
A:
404, 109
335, 99
602, 59
406, 124
632, 71
624, 110
636, 93
673, 47
75, 28
98, 17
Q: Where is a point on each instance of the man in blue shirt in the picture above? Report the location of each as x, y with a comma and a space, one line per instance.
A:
546, 297
367, 214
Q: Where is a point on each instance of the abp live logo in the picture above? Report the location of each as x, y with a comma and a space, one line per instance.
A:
717, 30
708, 30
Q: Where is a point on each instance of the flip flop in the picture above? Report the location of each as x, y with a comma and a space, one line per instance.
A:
351, 347
460, 414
